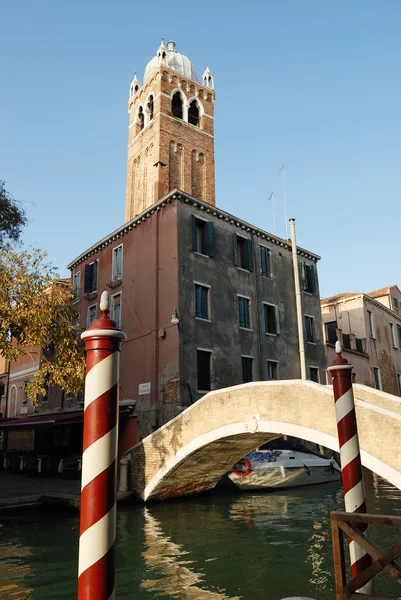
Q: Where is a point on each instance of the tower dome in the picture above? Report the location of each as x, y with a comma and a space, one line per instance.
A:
172, 59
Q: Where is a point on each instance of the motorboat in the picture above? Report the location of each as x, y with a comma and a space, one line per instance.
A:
276, 469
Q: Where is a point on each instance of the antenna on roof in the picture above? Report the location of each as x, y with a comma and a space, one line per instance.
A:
285, 203
274, 215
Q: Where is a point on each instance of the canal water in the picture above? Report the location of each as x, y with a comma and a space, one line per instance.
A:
221, 546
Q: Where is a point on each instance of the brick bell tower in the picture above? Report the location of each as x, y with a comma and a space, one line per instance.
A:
171, 132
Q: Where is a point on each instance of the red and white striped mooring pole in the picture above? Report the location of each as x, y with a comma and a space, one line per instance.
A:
96, 570
351, 466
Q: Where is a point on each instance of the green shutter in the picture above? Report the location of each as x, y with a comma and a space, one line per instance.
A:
95, 275
204, 307
236, 250
198, 300
210, 238
263, 261
249, 255
313, 273
194, 246
303, 275
277, 314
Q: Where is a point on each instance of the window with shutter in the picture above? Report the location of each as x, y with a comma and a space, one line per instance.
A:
92, 311
91, 277
76, 286
244, 313
117, 269
272, 370
243, 253
377, 378
116, 309
265, 261
201, 301
270, 318
308, 278
247, 364
202, 236
310, 329
331, 332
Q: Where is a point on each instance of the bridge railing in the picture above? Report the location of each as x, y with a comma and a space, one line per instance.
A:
343, 522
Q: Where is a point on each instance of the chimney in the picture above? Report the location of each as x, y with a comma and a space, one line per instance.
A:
159, 180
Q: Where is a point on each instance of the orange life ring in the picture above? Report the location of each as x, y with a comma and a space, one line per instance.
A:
248, 469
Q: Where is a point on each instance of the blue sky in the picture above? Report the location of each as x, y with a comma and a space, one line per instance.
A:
314, 85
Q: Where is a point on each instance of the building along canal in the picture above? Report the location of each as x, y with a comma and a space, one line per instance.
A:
223, 545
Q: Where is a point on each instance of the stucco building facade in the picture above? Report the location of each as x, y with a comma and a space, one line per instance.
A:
201, 311
369, 329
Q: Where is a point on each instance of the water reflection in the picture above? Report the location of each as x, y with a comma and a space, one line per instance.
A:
176, 578
13, 572
221, 546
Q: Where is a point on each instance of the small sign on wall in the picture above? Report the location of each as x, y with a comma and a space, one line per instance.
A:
24, 410
144, 388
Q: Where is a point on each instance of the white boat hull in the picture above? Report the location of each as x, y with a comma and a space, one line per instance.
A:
284, 473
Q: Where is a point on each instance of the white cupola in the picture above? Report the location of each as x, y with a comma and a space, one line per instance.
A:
172, 59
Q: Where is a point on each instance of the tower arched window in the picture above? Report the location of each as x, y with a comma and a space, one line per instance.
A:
141, 118
150, 107
176, 105
193, 113
136, 88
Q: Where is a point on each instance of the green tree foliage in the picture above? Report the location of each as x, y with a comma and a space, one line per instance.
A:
37, 318
12, 217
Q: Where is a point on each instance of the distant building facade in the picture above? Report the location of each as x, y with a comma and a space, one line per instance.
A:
369, 329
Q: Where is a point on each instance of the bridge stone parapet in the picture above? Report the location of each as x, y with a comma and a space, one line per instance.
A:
192, 452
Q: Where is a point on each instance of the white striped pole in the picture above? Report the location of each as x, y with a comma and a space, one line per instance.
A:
96, 570
351, 466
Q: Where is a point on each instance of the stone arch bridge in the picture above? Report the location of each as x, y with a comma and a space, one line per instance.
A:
193, 451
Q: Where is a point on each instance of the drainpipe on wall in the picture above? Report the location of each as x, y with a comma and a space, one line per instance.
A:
300, 321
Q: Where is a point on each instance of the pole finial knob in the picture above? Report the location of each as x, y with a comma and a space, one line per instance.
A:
104, 303
338, 347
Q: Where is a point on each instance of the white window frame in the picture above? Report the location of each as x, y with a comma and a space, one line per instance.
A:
112, 306
209, 307
88, 313
76, 298
114, 278
314, 329
393, 335
276, 316
250, 328
269, 360
379, 377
